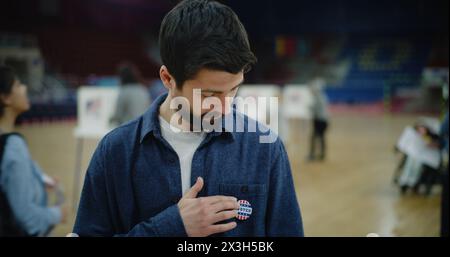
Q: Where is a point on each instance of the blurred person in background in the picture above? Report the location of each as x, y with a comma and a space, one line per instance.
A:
320, 116
157, 88
444, 135
414, 173
444, 201
133, 99
24, 210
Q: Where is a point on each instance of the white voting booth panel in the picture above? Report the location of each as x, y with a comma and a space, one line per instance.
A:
95, 106
260, 112
295, 105
297, 100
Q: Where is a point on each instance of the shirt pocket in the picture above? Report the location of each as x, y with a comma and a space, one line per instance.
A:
256, 195
241, 191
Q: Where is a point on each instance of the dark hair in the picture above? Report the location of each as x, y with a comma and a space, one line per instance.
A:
198, 34
128, 74
7, 78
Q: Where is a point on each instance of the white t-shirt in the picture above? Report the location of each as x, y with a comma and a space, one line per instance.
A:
185, 144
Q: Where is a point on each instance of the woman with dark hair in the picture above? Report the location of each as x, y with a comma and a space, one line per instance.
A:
134, 98
23, 196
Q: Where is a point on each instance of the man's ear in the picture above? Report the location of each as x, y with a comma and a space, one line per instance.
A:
167, 79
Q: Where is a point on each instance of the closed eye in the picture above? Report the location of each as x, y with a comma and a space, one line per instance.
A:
218, 93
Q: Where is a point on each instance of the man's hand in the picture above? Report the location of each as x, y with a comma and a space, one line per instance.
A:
200, 214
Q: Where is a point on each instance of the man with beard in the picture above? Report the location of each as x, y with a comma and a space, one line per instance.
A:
157, 176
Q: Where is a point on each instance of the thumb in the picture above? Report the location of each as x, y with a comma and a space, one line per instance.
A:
197, 187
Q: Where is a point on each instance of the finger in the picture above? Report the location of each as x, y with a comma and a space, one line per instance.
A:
197, 187
220, 228
224, 215
225, 205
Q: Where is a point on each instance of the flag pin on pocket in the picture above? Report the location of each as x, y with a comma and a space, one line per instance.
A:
245, 210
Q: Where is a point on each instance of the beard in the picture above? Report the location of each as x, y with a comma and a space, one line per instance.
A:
196, 123
210, 121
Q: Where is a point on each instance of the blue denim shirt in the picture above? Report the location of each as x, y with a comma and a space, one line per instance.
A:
133, 183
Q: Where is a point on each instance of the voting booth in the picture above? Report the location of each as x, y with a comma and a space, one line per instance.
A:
296, 107
95, 107
265, 109
297, 100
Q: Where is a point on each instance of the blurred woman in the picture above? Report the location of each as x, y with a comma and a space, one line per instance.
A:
23, 195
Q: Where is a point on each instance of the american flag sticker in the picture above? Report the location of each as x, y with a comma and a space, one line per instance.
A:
245, 210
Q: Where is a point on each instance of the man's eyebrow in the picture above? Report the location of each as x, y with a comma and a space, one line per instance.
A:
220, 92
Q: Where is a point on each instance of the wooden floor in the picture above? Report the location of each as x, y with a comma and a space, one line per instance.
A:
350, 194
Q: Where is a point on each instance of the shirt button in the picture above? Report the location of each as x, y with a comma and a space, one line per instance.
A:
244, 189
